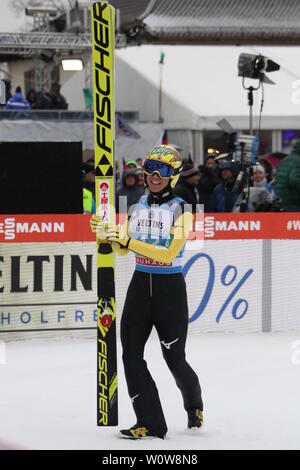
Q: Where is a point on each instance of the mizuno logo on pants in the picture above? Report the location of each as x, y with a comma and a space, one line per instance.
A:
133, 398
168, 345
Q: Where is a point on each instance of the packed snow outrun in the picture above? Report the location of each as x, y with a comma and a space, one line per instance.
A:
251, 383
149, 230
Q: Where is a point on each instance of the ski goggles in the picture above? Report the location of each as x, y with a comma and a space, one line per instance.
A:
163, 169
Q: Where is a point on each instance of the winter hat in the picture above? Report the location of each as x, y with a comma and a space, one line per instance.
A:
259, 168
210, 156
228, 166
189, 169
129, 172
131, 162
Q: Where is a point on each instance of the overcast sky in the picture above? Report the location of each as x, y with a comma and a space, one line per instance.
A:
8, 22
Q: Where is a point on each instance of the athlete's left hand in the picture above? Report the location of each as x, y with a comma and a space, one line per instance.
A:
117, 234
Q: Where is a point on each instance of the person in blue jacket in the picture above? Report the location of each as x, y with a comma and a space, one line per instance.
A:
17, 101
224, 195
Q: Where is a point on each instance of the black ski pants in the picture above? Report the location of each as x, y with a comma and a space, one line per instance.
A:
158, 300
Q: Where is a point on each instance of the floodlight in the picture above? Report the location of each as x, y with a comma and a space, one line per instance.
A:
72, 65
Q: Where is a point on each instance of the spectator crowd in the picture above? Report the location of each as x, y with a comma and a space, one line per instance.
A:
216, 185
52, 100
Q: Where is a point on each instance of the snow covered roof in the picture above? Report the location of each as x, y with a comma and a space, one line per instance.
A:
215, 21
131, 9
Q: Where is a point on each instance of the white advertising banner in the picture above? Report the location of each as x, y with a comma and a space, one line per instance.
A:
47, 286
285, 298
239, 285
224, 282
52, 286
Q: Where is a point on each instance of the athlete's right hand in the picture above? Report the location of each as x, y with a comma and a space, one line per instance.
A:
99, 228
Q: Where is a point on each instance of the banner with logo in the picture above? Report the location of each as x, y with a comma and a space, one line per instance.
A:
48, 275
52, 286
47, 286
73, 228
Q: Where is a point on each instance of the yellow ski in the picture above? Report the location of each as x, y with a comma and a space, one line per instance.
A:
103, 37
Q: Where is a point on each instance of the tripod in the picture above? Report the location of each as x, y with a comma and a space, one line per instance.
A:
249, 171
250, 90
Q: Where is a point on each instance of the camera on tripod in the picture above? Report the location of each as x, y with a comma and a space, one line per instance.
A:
242, 148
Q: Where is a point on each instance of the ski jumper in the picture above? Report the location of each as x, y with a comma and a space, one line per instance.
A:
157, 298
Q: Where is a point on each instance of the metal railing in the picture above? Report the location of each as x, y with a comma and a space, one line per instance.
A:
59, 115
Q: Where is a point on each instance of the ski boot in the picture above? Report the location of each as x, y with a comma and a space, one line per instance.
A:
195, 419
140, 432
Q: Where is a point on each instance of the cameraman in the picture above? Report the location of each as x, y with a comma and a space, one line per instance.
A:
226, 194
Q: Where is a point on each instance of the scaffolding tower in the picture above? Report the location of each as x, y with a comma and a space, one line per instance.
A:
56, 34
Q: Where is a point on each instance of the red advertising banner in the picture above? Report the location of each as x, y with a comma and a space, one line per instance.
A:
249, 226
76, 228
45, 228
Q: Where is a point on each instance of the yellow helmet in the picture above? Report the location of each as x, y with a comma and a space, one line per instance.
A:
169, 155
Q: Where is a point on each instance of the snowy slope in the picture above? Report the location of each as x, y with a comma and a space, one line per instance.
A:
251, 392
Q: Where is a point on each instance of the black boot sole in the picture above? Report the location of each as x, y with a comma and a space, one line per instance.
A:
132, 438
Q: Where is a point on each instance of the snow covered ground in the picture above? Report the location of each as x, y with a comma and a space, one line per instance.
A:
251, 390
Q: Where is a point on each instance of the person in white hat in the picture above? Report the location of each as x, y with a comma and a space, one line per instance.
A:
259, 195
260, 180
